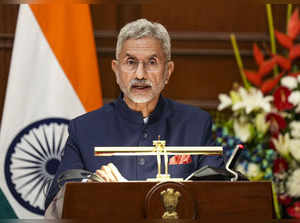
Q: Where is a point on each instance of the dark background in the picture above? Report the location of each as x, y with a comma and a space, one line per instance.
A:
201, 49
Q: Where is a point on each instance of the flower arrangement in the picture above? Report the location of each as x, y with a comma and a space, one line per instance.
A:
265, 117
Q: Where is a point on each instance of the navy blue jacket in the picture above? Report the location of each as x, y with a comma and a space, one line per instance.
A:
116, 125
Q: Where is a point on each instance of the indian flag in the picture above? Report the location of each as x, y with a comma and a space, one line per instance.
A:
53, 78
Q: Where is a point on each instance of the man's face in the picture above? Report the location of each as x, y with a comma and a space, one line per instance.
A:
142, 70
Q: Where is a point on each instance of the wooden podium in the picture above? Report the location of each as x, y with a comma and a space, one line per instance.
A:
206, 200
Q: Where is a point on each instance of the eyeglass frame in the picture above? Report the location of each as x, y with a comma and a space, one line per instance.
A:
137, 63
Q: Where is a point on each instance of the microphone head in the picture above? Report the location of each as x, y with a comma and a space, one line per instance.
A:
235, 156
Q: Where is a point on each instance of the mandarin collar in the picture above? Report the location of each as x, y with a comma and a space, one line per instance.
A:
137, 117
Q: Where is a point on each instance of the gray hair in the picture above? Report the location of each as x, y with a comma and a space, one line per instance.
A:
144, 28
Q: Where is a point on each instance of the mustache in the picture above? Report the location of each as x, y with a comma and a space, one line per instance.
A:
140, 83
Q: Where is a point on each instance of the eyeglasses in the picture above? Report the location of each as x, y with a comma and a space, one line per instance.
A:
131, 65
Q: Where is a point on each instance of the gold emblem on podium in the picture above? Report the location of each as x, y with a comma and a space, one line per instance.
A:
170, 199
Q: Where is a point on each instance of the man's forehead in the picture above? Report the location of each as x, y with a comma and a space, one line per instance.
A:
146, 47
148, 56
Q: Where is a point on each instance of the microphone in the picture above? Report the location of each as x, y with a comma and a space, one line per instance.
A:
227, 174
233, 160
77, 175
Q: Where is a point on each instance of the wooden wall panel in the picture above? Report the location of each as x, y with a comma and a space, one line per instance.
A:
207, 16
201, 49
8, 18
104, 16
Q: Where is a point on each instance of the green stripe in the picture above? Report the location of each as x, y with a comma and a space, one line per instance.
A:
6, 210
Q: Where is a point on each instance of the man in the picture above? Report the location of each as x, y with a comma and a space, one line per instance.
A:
142, 67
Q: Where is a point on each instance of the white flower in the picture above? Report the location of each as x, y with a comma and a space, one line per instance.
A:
253, 170
289, 82
235, 96
242, 130
294, 98
295, 129
282, 144
293, 184
253, 99
261, 124
225, 101
298, 78
295, 148
241, 168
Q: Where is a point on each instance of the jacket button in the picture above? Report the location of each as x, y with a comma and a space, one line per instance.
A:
141, 161
145, 135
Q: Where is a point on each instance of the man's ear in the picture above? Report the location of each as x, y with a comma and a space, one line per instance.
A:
170, 69
115, 68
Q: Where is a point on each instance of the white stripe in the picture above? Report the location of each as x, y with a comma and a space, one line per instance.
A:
37, 89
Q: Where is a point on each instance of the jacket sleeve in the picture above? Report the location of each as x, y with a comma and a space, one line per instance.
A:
71, 159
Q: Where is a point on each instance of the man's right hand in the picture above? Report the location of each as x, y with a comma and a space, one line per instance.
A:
110, 173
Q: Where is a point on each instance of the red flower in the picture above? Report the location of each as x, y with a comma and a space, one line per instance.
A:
294, 211
277, 123
258, 55
270, 83
293, 25
280, 165
281, 96
253, 77
294, 52
284, 199
284, 40
283, 62
266, 66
